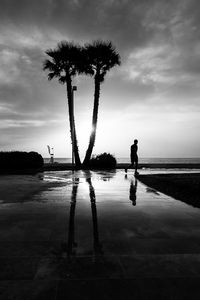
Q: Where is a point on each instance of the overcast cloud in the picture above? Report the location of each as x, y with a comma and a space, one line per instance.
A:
159, 44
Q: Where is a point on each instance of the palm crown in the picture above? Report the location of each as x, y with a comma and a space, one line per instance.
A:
65, 61
100, 57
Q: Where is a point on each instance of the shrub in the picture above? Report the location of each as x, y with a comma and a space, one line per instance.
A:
103, 161
20, 160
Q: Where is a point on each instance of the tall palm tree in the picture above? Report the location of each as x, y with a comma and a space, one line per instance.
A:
100, 57
64, 65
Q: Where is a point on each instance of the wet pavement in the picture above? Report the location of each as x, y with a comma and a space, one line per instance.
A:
99, 235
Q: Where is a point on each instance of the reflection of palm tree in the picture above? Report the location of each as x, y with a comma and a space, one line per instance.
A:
71, 240
100, 57
64, 64
132, 191
71, 244
97, 244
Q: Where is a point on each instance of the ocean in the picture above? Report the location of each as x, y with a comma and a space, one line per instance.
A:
146, 160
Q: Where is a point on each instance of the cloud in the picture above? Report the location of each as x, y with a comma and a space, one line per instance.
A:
8, 66
152, 64
18, 123
158, 41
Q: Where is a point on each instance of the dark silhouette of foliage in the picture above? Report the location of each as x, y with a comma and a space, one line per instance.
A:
20, 160
99, 58
103, 161
66, 62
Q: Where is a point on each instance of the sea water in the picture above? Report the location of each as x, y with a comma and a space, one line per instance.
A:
145, 160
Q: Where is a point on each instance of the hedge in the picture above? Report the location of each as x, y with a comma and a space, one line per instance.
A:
20, 160
103, 161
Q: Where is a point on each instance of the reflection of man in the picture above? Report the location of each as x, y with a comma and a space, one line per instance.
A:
132, 192
134, 157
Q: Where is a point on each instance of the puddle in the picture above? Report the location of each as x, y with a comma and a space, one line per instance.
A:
97, 213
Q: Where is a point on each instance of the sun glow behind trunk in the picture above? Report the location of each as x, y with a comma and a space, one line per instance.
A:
83, 132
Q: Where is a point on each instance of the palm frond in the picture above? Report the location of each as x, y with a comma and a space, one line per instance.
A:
48, 65
62, 79
51, 75
67, 58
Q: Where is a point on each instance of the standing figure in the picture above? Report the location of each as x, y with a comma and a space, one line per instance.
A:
134, 157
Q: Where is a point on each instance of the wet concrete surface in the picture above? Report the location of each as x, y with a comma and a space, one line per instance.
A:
99, 235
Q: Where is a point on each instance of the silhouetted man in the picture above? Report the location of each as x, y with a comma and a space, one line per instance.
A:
134, 157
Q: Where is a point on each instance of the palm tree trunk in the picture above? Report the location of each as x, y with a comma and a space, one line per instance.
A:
71, 230
97, 244
94, 122
72, 124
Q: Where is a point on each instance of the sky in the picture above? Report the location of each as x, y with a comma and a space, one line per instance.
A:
153, 96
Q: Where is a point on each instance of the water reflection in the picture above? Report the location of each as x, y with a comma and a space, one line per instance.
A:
133, 191
97, 245
106, 175
71, 244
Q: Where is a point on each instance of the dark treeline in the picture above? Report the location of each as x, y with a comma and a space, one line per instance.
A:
20, 160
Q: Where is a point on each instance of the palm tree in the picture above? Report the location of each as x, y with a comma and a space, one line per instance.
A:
100, 57
64, 64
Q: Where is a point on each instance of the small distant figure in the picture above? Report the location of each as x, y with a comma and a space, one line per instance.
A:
132, 192
51, 153
52, 158
134, 157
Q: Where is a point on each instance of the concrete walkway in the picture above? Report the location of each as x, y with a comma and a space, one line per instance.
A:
99, 236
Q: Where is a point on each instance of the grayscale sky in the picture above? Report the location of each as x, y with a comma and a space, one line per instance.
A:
152, 96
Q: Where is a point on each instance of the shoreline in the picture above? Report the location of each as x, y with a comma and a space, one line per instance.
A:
68, 166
